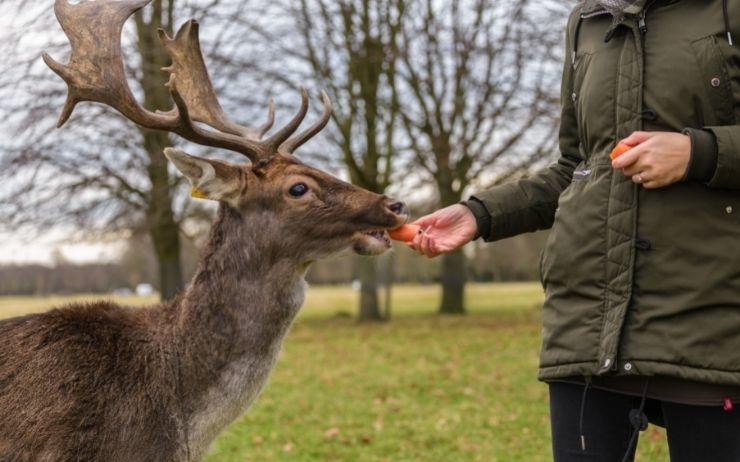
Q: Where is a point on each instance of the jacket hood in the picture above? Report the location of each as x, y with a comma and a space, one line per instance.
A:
617, 8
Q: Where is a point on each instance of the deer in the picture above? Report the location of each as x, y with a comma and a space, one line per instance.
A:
104, 382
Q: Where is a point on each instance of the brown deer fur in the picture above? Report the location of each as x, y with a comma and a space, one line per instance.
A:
104, 382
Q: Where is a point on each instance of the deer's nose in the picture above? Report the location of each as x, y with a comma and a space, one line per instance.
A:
399, 208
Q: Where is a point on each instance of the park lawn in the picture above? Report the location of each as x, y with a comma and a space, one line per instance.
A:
421, 388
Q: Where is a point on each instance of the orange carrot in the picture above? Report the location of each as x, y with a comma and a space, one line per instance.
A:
619, 150
405, 233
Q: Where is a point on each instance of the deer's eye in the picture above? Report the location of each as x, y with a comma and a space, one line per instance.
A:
298, 189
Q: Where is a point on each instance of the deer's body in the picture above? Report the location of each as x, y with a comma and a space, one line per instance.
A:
83, 382
101, 382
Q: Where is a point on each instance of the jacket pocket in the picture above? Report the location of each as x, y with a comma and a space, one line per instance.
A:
575, 248
716, 80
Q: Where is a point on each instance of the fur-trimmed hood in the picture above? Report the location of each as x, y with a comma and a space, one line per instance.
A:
617, 8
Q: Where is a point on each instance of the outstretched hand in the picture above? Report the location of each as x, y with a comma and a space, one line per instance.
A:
444, 231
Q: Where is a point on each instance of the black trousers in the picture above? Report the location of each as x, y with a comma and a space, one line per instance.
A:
695, 433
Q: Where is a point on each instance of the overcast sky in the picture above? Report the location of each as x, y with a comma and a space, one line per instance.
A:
15, 247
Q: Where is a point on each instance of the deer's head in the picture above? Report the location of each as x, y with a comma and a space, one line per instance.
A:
307, 211
313, 212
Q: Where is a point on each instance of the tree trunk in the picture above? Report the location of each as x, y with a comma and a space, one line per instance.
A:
453, 283
368, 273
163, 228
388, 276
170, 269
452, 270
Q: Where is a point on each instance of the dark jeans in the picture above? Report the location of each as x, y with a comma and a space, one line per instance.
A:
695, 433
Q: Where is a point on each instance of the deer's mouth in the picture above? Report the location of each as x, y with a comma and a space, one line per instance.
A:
380, 235
370, 243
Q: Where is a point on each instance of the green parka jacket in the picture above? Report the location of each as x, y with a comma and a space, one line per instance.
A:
642, 282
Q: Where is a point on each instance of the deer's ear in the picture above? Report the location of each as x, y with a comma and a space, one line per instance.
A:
211, 179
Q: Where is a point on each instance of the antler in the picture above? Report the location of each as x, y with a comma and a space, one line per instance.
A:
95, 72
298, 140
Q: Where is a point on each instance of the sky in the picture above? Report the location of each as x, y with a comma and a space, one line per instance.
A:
16, 249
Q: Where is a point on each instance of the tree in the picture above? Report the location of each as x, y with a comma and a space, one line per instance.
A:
101, 174
347, 47
479, 102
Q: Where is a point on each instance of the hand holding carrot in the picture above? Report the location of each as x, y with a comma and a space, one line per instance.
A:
654, 159
444, 231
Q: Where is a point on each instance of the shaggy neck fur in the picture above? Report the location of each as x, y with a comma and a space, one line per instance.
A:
231, 322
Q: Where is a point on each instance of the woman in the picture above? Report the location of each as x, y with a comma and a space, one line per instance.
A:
642, 266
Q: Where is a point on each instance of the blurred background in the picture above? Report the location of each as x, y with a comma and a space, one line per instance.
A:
434, 100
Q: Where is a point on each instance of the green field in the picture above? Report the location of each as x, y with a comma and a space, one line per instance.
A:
420, 388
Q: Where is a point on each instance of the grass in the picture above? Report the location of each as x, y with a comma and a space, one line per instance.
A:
420, 388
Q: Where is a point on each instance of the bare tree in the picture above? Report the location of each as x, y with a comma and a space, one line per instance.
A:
101, 175
479, 90
347, 47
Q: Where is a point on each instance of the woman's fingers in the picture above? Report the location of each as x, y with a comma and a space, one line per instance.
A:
421, 242
427, 221
633, 169
640, 170
639, 178
627, 159
416, 242
641, 145
433, 248
652, 185
429, 246
637, 137
424, 244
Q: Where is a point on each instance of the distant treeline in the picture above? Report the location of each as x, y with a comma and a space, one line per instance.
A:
60, 279
511, 260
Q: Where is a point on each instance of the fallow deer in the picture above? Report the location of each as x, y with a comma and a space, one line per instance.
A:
103, 382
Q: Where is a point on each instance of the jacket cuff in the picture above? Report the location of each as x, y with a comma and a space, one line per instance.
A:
704, 155
482, 217
727, 174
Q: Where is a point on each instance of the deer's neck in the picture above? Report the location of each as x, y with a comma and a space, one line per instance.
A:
232, 320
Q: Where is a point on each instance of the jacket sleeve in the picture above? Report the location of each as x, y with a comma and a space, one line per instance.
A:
715, 156
703, 160
529, 204
727, 173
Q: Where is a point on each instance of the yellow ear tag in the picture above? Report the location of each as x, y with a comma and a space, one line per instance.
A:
198, 194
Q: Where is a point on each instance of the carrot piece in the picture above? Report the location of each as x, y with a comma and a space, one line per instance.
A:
405, 233
620, 149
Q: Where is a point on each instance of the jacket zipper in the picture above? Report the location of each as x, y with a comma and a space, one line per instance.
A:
641, 21
641, 24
